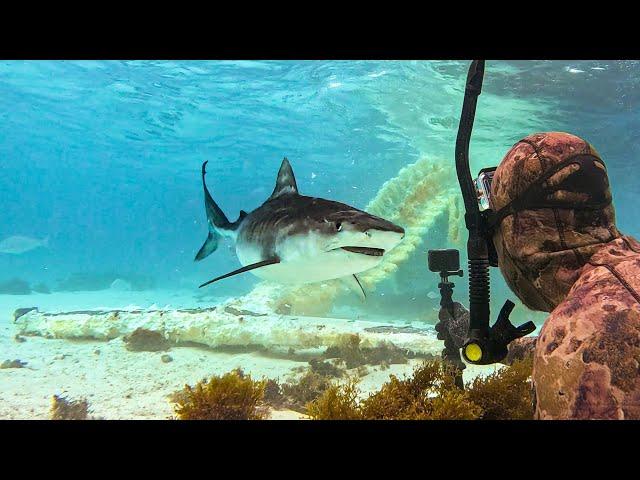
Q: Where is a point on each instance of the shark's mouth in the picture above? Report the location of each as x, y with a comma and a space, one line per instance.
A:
372, 252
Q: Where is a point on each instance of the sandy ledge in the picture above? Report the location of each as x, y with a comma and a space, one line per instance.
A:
120, 384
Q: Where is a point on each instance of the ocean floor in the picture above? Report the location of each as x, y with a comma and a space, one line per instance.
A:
118, 383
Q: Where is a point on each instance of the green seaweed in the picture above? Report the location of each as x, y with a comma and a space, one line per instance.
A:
430, 393
273, 395
353, 354
12, 364
64, 409
232, 396
337, 402
325, 369
306, 389
143, 340
506, 394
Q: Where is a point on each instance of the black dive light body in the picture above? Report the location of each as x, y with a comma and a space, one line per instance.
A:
485, 344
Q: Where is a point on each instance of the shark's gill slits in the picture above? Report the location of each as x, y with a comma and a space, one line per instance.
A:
374, 252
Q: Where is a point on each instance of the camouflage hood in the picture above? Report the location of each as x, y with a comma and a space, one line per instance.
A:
551, 192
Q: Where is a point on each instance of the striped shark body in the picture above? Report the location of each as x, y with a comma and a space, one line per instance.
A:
296, 239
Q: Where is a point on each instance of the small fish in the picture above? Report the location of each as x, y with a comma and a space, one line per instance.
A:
18, 244
292, 238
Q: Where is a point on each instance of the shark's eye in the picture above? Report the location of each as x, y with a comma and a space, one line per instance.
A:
338, 226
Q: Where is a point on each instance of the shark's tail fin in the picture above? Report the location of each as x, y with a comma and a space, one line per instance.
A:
219, 224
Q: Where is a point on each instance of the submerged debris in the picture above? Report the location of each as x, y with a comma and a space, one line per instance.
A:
143, 340
431, 394
233, 396
166, 358
12, 364
64, 409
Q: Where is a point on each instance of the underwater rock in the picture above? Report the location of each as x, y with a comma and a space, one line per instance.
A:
166, 358
15, 286
19, 339
12, 364
41, 288
143, 340
120, 285
64, 409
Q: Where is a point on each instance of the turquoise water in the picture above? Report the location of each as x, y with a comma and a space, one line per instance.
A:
103, 157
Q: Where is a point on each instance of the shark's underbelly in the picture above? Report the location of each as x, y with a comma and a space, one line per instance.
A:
297, 267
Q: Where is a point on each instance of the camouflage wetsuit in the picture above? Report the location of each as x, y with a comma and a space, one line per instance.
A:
560, 251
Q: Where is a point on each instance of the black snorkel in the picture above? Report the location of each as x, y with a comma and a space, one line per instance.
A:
484, 344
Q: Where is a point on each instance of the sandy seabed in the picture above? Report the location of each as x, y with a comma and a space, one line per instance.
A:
120, 384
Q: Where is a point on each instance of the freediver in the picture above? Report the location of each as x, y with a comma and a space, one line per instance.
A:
560, 251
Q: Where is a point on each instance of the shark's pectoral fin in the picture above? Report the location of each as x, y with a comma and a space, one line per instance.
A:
253, 266
209, 246
354, 285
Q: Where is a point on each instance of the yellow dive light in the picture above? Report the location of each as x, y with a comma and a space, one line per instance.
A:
473, 352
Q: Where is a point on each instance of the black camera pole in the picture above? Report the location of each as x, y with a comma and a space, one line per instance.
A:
484, 344
477, 250
446, 317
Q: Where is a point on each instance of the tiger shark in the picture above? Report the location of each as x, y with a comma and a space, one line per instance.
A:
295, 239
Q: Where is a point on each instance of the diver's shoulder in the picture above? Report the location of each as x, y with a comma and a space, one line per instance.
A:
602, 289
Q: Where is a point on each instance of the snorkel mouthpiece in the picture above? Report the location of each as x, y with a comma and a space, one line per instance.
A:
484, 345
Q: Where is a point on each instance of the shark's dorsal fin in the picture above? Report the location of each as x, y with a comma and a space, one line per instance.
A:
246, 268
286, 181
